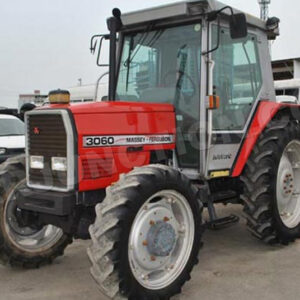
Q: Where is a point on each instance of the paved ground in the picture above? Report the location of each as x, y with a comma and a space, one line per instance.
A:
233, 266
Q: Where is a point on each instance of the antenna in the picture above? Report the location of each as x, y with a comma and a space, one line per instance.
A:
264, 9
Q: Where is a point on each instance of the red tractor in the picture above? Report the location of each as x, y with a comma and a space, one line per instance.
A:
191, 121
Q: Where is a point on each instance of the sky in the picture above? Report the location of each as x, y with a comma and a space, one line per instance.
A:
44, 44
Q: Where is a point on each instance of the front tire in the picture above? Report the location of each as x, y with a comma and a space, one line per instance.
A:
24, 246
271, 183
147, 235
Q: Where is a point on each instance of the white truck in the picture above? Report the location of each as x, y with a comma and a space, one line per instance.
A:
12, 136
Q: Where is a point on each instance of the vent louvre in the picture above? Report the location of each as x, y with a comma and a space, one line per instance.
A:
97, 168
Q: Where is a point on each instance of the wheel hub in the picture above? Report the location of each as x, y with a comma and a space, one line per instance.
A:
161, 239
288, 194
287, 181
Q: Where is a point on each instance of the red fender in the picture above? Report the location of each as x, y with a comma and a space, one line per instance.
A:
264, 114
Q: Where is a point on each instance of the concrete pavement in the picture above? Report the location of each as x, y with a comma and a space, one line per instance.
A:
233, 265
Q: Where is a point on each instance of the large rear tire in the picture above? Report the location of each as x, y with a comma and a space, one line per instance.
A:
24, 246
147, 235
271, 183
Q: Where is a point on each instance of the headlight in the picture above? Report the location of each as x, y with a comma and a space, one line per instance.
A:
36, 162
59, 163
2, 151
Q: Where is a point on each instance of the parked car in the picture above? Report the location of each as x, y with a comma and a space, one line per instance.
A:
12, 136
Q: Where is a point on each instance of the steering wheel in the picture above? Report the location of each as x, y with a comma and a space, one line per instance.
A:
187, 97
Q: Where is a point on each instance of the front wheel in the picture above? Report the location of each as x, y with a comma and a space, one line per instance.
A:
147, 235
21, 246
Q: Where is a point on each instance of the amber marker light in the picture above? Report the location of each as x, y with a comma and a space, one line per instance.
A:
59, 97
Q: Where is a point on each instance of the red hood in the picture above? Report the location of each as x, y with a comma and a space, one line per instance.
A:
113, 107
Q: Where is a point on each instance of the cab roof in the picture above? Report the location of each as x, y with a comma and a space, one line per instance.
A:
181, 9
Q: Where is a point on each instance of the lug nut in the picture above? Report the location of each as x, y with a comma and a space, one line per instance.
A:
152, 223
145, 243
166, 219
153, 258
145, 277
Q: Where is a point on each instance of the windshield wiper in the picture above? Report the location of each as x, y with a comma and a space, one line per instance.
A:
127, 62
156, 37
131, 49
139, 43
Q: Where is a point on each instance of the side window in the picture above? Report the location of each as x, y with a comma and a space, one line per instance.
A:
237, 80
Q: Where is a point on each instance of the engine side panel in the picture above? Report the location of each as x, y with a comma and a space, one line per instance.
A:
112, 143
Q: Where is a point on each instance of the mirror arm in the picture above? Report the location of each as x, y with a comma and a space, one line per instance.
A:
211, 16
218, 40
93, 46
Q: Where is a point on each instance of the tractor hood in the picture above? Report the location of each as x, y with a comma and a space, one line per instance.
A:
113, 107
117, 136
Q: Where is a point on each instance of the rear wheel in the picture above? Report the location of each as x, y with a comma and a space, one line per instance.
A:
27, 247
147, 235
271, 183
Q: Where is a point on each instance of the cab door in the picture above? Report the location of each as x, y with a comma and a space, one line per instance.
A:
237, 80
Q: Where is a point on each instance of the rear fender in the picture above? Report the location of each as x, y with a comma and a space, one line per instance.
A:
265, 112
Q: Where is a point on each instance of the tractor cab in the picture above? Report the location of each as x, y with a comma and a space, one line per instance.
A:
208, 60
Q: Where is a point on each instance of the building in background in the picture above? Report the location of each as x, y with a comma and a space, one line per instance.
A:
36, 98
81, 93
286, 73
286, 69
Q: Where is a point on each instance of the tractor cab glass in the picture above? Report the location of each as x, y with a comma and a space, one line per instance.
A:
237, 79
163, 66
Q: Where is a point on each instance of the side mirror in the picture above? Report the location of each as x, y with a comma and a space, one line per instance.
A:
238, 26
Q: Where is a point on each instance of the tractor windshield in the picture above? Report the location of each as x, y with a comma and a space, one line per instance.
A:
163, 66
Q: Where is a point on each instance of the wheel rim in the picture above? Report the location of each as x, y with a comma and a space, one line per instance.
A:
287, 191
26, 238
161, 239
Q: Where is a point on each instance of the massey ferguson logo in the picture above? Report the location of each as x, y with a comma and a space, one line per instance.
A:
36, 130
222, 156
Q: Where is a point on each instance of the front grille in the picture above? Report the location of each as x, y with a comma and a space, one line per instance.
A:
47, 137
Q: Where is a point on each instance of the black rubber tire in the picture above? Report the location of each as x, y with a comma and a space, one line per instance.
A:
110, 232
259, 178
12, 172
